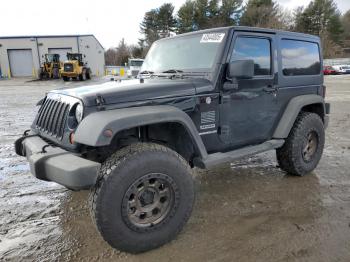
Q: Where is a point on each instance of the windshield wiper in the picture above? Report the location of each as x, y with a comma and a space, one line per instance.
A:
146, 72
173, 71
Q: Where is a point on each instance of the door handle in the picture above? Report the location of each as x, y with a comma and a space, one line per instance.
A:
271, 88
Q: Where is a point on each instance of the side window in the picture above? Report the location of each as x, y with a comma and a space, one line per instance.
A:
300, 58
257, 49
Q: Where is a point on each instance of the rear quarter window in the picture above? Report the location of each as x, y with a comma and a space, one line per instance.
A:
300, 58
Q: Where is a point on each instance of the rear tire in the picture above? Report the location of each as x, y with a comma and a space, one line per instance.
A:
65, 78
143, 197
303, 148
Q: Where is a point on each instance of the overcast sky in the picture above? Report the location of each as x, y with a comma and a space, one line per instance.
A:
108, 20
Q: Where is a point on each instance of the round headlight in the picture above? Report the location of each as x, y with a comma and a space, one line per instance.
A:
79, 112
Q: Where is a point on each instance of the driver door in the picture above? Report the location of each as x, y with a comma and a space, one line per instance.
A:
249, 111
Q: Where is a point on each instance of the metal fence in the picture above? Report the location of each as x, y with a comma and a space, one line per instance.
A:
116, 70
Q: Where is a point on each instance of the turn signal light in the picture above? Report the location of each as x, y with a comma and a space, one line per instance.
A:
108, 133
71, 138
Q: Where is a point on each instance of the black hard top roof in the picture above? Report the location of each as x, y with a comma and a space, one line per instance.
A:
256, 30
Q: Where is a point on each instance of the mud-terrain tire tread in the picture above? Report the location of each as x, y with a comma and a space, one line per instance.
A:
114, 162
288, 156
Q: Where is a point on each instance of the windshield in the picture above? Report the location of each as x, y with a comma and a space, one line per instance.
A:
52, 58
74, 56
191, 52
136, 63
49, 58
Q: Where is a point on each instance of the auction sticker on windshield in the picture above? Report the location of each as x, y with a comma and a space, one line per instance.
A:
212, 38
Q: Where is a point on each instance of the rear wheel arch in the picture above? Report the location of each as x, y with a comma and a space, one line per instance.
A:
317, 108
297, 105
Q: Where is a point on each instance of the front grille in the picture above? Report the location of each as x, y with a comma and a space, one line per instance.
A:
68, 67
52, 117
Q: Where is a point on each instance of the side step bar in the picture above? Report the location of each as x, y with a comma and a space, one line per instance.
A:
218, 158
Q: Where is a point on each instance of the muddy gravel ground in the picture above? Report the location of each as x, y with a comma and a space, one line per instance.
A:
248, 210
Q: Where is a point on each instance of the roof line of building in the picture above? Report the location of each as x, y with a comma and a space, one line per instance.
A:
50, 36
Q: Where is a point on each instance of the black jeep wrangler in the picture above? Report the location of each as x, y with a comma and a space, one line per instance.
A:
201, 99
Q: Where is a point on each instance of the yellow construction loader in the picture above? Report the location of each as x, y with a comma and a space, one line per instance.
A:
50, 67
75, 68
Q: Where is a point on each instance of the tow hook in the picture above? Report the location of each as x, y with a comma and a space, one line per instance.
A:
18, 143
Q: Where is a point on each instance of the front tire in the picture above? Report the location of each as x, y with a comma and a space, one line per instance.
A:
143, 197
82, 76
55, 73
303, 148
88, 74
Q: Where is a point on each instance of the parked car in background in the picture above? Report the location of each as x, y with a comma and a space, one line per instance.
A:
328, 70
342, 69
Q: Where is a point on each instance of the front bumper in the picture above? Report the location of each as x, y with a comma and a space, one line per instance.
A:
55, 164
70, 74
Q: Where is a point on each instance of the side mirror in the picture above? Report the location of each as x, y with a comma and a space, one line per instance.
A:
84, 56
241, 69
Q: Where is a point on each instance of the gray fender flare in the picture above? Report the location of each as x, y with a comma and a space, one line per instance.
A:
291, 113
90, 130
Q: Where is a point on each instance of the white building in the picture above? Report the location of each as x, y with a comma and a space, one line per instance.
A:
23, 55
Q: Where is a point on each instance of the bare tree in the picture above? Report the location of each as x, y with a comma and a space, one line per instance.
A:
119, 55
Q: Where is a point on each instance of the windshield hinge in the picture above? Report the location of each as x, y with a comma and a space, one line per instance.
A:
100, 101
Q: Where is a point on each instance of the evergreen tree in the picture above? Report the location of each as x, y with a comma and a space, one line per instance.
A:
320, 17
230, 12
165, 20
345, 20
149, 27
185, 20
262, 13
202, 14
213, 15
158, 23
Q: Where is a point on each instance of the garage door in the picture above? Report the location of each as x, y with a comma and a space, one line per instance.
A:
61, 51
21, 62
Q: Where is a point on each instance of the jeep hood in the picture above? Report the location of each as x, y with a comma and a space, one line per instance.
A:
133, 90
